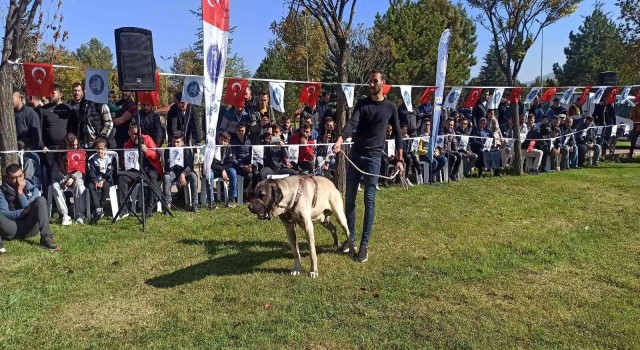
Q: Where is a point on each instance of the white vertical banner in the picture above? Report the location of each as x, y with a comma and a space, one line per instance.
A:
567, 96
405, 90
441, 75
452, 99
624, 95
215, 29
349, 93
276, 93
96, 84
495, 99
193, 90
532, 95
595, 99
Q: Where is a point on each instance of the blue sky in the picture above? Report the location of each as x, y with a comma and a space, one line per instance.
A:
174, 27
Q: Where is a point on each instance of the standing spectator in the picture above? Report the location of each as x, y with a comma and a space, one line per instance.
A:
27, 123
330, 135
151, 125
181, 174
23, 211
557, 108
368, 125
183, 117
262, 111
286, 128
249, 105
232, 118
480, 109
94, 119
57, 121
100, 179
260, 130
123, 118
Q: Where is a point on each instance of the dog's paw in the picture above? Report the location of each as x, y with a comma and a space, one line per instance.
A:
313, 274
295, 272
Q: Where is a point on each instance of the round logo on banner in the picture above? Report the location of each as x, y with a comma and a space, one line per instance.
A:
193, 89
214, 62
406, 96
532, 95
277, 95
96, 84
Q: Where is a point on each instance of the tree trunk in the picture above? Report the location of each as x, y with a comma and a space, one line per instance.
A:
517, 152
341, 114
8, 140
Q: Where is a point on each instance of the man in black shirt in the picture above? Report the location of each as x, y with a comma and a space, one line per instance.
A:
368, 125
57, 120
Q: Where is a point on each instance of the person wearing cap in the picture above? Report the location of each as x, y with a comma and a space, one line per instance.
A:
586, 141
557, 108
183, 117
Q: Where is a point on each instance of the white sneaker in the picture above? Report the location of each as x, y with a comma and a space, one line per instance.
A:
66, 220
359, 188
80, 221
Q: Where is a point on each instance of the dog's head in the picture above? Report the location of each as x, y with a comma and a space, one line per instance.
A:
264, 199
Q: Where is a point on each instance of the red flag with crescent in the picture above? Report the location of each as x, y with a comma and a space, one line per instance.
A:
427, 95
38, 78
386, 88
473, 97
309, 94
611, 98
514, 96
151, 98
585, 94
216, 13
637, 100
549, 94
234, 93
76, 161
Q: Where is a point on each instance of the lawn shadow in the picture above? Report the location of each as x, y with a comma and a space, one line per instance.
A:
245, 261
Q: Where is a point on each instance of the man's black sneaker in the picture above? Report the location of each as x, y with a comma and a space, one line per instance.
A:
193, 209
363, 256
46, 241
96, 216
345, 247
148, 212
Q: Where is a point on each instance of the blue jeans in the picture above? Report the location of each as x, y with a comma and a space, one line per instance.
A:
233, 181
370, 165
572, 157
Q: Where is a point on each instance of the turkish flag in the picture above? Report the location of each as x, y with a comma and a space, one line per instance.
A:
427, 95
473, 97
309, 94
549, 94
386, 88
514, 96
611, 98
216, 13
585, 94
39, 79
234, 93
151, 97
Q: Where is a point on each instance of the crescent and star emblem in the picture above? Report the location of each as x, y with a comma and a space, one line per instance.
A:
311, 90
39, 69
233, 88
213, 5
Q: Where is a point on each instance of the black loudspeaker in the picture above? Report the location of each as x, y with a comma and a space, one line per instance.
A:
136, 63
607, 79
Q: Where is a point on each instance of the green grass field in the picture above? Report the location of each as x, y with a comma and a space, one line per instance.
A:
548, 261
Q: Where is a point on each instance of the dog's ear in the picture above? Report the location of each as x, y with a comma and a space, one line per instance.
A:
276, 194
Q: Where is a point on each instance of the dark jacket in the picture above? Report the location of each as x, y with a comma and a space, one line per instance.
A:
188, 162
568, 138
585, 135
28, 128
479, 111
185, 121
94, 120
12, 204
57, 121
534, 135
228, 160
99, 169
477, 143
275, 157
241, 149
122, 131
150, 125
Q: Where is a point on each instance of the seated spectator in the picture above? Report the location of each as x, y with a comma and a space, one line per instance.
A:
330, 136
306, 157
438, 162
308, 120
500, 157
586, 141
412, 162
23, 211
469, 158
180, 174
545, 143
232, 118
531, 122
151, 125
570, 156
276, 159
242, 150
65, 176
31, 165
531, 149
557, 108
225, 167
477, 142
100, 179
149, 164
557, 151
450, 149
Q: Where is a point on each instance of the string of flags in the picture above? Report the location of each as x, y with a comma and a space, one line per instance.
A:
39, 79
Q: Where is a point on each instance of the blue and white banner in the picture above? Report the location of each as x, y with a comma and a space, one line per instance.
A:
405, 90
349, 93
276, 94
193, 90
595, 99
495, 99
532, 95
441, 76
566, 98
215, 29
452, 98
624, 96
96, 84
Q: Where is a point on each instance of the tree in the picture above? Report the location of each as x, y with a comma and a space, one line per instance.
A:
630, 30
594, 48
19, 25
335, 18
95, 54
415, 38
515, 25
490, 73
